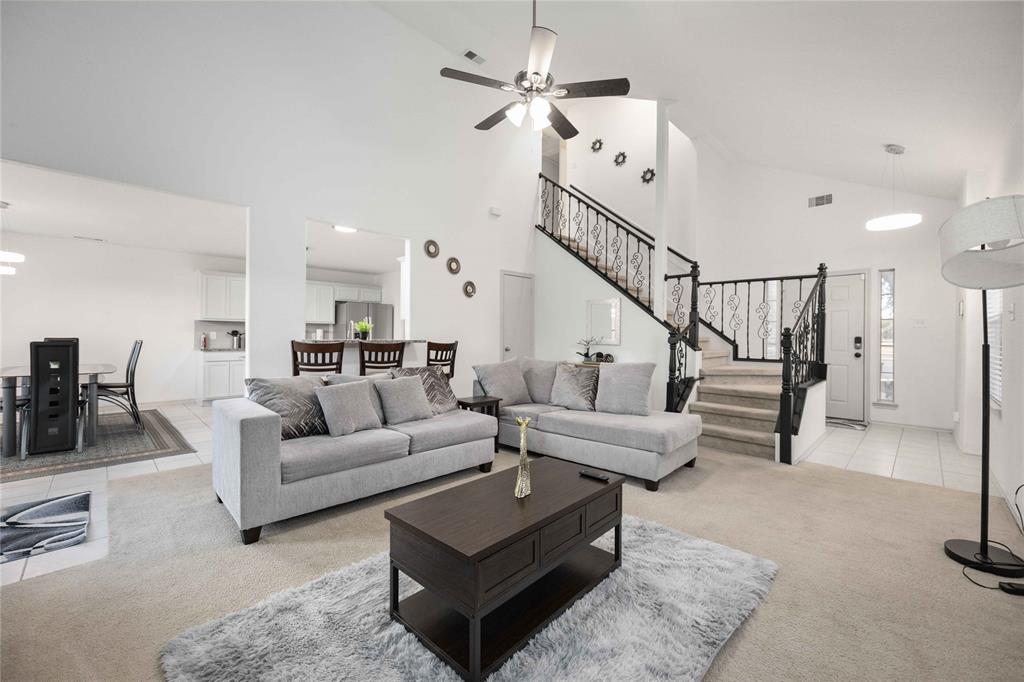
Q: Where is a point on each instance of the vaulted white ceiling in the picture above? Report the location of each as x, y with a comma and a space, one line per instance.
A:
814, 87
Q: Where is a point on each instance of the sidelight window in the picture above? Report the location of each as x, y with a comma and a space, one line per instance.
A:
887, 336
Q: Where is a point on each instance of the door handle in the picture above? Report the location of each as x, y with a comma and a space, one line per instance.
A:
508, 348
856, 355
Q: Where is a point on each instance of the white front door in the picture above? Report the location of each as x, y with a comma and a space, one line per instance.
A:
845, 346
516, 315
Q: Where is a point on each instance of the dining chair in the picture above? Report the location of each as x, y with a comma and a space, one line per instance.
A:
53, 418
317, 357
122, 393
442, 355
375, 355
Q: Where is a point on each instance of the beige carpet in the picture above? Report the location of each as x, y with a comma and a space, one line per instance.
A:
863, 590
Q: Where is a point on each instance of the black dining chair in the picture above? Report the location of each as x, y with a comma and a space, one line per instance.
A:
380, 356
317, 357
122, 394
442, 355
53, 419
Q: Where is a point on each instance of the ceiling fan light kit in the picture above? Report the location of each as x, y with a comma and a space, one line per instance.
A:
894, 220
536, 88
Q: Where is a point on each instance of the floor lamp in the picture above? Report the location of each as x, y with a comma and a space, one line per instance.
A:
982, 247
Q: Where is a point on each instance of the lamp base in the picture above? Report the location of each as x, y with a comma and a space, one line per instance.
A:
998, 561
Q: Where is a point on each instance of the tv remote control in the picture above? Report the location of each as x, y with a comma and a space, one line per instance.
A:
594, 475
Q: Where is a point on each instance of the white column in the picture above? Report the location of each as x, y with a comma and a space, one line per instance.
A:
661, 190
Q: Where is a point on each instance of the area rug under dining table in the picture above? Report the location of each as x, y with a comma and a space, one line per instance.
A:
663, 615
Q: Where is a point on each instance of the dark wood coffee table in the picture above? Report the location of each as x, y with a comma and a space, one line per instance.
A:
495, 569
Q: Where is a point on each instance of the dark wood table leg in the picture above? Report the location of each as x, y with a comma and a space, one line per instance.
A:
618, 541
474, 648
394, 589
94, 408
10, 428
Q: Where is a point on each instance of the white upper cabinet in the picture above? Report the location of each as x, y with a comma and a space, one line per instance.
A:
370, 294
319, 303
222, 296
346, 292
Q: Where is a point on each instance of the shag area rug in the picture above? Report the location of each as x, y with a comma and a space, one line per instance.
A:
118, 441
663, 615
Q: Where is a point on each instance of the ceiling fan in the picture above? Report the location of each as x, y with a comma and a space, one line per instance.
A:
536, 88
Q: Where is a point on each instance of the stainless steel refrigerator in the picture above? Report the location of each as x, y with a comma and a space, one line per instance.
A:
381, 315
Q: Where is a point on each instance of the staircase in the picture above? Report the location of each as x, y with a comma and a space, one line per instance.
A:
766, 335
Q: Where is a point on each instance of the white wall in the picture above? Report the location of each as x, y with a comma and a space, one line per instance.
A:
812, 422
1007, 423
290, 109
562, 287
770, 231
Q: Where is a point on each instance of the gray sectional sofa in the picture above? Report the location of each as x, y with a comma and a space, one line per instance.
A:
261, 478
615, 430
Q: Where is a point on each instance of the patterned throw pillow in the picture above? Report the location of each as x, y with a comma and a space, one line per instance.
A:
574, 387
435, 385
294, 398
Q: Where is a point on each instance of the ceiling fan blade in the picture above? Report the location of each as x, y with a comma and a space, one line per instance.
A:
495, 118
561, 124
455, 74
542, 48
607, 88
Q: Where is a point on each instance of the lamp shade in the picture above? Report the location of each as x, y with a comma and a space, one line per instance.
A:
999, 224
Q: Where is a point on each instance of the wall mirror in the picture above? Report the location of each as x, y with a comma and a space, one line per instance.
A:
603, 318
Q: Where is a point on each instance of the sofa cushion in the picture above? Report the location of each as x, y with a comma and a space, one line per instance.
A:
504, 380
294, 398
303, 458
540, 377
660, 432
575, 387
625, 388
531, 410
331, 379
450, 428
347, 407
435, 384
404, 400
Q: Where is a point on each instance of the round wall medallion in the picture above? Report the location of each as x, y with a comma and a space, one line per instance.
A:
647, 176
454, 265
431, 248
620, 158
469, 289
596, 145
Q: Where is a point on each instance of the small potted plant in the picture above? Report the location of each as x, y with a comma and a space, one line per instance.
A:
587, 343
363, 329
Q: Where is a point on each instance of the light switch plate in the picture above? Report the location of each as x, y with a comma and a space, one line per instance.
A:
495, 211
920, 324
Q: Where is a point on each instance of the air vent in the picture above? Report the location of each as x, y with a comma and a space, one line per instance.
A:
820, 200
473, 57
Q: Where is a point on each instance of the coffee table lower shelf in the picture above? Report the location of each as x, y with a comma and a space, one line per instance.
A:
510, 626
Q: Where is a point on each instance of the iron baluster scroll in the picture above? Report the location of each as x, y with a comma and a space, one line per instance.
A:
803, 362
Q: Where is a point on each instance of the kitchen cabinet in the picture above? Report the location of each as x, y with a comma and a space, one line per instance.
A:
370, 294
346, 292
319, 303
222, 296
221, 375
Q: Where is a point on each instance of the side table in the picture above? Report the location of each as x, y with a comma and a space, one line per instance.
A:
485, 404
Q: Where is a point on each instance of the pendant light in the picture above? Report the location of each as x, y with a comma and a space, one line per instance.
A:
894, 220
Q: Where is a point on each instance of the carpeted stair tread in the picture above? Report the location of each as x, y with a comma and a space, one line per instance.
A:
743, 390
741, 435
735, 411
716, 353
745, 370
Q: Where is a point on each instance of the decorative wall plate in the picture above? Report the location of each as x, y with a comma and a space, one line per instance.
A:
620, 158
597, 145
454, 266
647, 176
469, 289
431, 248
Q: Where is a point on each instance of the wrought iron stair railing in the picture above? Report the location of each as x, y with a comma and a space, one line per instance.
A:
622, 253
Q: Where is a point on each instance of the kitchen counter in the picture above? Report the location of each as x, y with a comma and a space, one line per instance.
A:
221, 350
353, 342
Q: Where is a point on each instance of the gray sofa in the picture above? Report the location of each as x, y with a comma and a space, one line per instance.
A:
649, 447
261, 478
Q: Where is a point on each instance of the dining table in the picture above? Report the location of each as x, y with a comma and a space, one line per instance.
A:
88, 374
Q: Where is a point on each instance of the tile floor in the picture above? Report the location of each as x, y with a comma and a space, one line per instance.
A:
192, 420
919, 455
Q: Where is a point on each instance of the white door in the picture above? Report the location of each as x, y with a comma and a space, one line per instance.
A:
845, 346
516, 315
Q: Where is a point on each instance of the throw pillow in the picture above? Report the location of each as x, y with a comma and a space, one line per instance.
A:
504, 380
574, 387
373, 379
404, 400
625, 388
347, 407
294, 398
435, 385
540, 377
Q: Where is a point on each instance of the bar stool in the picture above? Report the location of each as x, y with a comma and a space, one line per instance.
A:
317, 357
373, 355
442, 355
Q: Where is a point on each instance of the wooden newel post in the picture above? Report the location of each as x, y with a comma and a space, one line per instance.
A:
819, 346
694, 315
786, 399
673, 373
